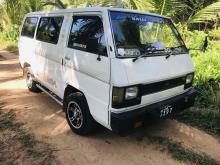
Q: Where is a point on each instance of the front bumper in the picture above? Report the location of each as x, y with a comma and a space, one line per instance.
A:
122, 122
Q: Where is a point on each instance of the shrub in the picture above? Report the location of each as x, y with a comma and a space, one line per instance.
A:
9, 39
207, 77
12, 33
207, 65
206, 113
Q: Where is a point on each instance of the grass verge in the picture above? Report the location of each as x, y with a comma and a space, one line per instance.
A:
9, 46
17, 145
205, 114
205, 118
6, 44
178, 152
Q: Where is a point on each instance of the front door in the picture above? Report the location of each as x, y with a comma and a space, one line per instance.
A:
86, 62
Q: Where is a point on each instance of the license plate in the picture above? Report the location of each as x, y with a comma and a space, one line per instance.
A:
166, 110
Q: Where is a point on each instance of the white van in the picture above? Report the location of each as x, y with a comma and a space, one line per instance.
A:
112, 66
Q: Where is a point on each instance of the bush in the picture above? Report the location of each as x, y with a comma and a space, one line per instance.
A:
194, 40
207, 119
207, 77
11, 34
207, 66
206, 112
9, 39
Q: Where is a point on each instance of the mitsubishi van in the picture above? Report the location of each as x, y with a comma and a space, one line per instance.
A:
109, 66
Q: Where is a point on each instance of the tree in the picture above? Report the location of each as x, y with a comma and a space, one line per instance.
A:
12, 11
184, 11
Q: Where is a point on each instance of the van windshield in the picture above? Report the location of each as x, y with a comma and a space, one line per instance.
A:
137, 34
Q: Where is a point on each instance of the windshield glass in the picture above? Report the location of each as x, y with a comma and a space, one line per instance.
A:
137, 34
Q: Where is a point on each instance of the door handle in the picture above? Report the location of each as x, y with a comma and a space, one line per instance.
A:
67, 58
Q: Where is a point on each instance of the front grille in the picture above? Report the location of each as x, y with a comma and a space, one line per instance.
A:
161, 86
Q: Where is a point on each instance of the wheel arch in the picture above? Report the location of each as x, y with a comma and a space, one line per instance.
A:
70, 89
25, 65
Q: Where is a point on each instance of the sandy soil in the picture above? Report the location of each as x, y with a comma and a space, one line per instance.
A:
45, 119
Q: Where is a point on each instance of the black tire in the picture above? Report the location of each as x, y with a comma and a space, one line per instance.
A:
30, 82
77, 114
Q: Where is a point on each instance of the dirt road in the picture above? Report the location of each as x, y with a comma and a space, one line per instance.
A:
44, 118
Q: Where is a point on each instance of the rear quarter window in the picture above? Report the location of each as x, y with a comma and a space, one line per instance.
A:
29, 27
49, 29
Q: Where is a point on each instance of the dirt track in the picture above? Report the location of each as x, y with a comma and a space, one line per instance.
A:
44, 117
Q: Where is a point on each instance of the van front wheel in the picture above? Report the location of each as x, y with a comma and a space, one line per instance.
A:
77, 114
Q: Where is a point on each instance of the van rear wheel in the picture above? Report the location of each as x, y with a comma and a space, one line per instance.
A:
77, 114
30, 82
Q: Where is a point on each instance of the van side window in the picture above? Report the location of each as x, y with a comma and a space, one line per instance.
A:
29, 27
49, 29
87, 34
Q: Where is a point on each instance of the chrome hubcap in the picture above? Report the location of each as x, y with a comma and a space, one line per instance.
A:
74, 114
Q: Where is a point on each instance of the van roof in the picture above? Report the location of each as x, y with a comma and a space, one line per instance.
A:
92, 9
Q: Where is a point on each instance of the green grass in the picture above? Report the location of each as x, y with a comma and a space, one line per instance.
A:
180, 153
205, 118
6, 44
206, 112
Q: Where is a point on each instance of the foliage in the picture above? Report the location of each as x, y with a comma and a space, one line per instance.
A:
12, 33
209, 13
207, 77
181, 11
178, 152
207, 65
206, 118
206, 113
9, 38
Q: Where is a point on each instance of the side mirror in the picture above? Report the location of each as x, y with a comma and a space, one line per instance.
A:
205, 44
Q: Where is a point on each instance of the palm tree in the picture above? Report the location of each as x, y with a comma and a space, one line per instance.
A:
184, 11
12, 11
207, 14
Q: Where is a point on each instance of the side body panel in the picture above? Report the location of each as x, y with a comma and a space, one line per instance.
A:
26, 47
53, 56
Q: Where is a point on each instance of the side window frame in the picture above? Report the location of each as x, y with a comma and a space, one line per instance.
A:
34, 29
85, 15
39, 21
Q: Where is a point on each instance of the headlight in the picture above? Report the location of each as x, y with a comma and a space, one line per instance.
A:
189, 78
131, 93
189, 81
125, 96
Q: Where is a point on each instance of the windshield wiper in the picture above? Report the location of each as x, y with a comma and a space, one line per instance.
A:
149, 52
167, 52
138, 57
